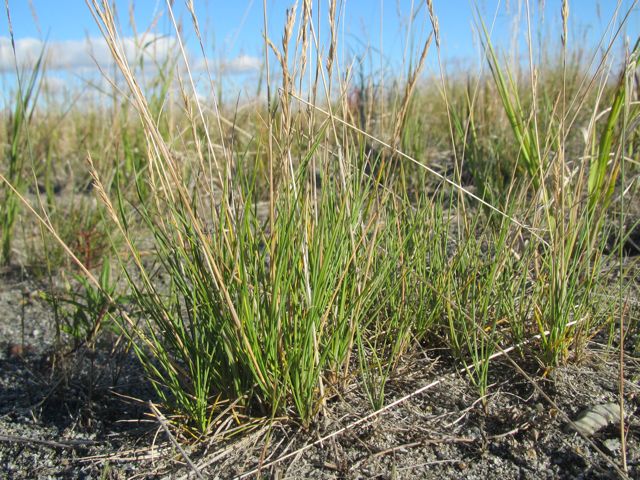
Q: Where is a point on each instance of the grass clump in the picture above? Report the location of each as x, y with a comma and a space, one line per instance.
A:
281, 327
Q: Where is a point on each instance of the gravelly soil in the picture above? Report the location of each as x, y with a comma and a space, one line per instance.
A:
72, 417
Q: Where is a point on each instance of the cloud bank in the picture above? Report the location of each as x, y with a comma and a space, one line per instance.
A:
238, 65
89, 53
242, 64
80, 54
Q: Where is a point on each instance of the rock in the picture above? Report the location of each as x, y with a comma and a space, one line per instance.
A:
613, 445
595, 418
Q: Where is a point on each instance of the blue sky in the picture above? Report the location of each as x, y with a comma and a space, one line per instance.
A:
233, 29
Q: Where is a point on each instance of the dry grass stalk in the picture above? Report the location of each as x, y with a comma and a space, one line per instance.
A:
164, 425
434, 22
565, 22
401, 115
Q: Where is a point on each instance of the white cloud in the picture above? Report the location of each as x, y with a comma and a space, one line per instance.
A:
242, 64
54, 85
234, 66
81, 54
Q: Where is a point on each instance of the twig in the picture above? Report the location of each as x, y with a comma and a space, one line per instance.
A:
436, 441
623, 437
422, 443
48, 443
219, 455
131, 455
428, 464
466, 410
165, 427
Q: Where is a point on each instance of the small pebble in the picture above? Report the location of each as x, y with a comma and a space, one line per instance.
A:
613, 445
531, 454
17, 350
